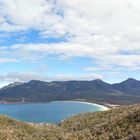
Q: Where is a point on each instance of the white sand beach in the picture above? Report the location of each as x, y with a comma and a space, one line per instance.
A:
103, 108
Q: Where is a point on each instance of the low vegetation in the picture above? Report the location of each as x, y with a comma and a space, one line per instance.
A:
116, 124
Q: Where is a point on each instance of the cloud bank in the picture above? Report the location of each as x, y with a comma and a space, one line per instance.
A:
106, 31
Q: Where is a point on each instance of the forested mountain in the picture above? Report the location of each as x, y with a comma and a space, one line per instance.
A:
130, 87
39, 91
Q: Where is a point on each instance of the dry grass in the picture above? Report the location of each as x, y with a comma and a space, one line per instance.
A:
116, 124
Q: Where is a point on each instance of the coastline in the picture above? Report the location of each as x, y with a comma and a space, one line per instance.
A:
102, 103
104, 108
101, 108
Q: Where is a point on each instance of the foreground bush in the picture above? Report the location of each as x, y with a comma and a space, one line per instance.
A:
116, 124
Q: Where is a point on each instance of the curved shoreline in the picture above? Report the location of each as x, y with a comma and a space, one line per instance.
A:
100, 109
104, 108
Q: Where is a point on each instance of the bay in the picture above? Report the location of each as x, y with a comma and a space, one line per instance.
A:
52, 112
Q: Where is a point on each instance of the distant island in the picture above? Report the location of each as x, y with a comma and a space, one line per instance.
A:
126, 92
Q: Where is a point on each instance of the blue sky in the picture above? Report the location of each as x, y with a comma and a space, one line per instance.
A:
60, 40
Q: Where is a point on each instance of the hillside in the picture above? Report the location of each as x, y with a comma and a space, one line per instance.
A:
116, 124
130, 86
126, 92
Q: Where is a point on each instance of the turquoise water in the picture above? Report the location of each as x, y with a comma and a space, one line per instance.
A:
52, 112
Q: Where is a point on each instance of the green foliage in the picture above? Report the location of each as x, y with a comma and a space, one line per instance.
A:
109, 125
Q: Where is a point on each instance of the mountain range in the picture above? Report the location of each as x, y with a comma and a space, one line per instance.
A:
126, 92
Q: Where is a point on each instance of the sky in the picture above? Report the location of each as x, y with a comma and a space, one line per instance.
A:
69, 40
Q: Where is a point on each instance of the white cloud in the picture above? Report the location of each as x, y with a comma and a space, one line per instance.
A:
5, 60
22, 15
27, 76
102, 56
20, 77
106, 31
62, 77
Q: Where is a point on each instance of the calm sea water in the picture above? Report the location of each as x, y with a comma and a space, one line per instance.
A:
52, 112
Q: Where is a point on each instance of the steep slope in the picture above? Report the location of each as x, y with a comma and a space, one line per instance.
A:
117, 124
47, 91
12, 85
11, 129
126, 92
130, 87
